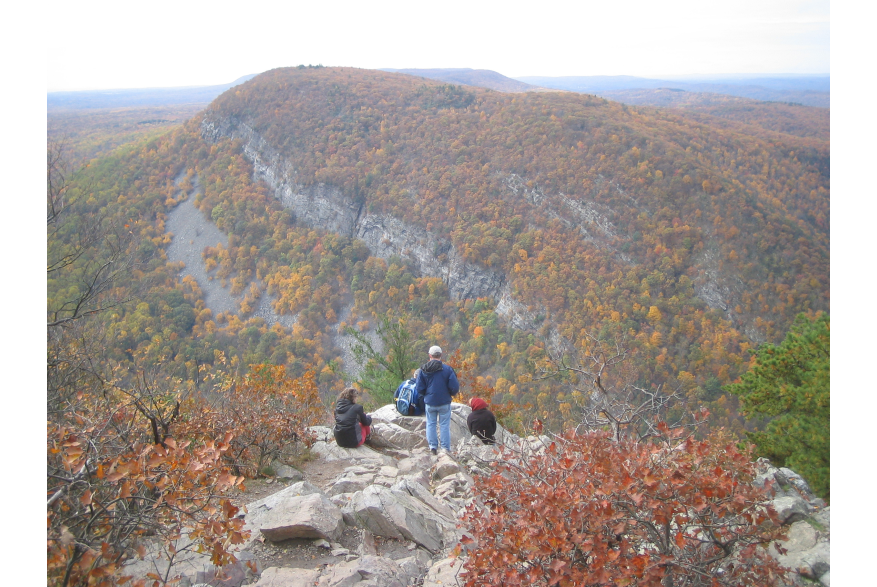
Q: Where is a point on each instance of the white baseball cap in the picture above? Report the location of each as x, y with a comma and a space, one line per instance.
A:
435, 350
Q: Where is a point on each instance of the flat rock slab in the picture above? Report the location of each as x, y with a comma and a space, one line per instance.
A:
287, 577
307, 516
445, 572
329, 451
368, 569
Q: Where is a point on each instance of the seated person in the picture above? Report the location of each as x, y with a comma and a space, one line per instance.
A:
481, 421
352, 424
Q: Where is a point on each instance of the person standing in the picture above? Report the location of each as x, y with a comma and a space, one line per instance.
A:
437, 384
481, 422
352, 424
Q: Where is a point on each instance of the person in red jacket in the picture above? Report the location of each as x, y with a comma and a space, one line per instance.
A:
481, 422
352, 424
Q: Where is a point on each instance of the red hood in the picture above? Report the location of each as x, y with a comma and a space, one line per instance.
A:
476, 403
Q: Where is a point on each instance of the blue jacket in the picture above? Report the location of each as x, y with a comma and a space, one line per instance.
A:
437, 383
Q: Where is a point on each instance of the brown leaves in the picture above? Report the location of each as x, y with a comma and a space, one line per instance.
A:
578, 517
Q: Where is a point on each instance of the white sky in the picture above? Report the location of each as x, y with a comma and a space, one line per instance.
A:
100, 44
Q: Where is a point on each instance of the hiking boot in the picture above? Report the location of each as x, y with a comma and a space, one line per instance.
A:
433, 451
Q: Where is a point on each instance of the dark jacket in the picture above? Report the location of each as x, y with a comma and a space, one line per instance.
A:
482, 423
437, 383
348, 416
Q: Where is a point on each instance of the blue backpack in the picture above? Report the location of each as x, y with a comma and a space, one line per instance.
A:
408, 402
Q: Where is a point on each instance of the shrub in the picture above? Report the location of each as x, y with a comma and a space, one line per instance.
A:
592, 511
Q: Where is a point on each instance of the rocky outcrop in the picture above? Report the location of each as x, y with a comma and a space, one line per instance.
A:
404, 504
324, 206
808, 546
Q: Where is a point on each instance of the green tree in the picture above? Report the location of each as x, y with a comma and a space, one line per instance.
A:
389, 360
790, 383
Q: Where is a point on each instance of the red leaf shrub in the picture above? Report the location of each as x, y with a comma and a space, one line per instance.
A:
591, 511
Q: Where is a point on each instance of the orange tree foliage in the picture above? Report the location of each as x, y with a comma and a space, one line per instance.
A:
591, 511
111, 492
268, 412
500, 174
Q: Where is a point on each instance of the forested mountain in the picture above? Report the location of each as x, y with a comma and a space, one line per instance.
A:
503, 225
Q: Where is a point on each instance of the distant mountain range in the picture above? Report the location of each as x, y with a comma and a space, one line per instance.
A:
138, 97
482, 78
806, 90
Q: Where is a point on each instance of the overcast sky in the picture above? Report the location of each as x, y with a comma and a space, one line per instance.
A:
99, 44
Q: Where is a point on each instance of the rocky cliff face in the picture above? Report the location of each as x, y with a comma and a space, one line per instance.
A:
324, 206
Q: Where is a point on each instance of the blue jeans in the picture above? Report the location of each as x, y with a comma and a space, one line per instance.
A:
443, 413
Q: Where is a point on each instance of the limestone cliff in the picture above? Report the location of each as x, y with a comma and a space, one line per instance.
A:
324, 206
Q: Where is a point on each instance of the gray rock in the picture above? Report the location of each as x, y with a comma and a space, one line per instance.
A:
309, 516
286, 577
329, 451
798, 482
416, 463
822, 518
790, 509
322, 433
283, 471
444, 467
418, 491
350, 483
389, 415
395, 514
343, 502
826, 579
366, 570
443, 573
391, 435
807, 549
367, 545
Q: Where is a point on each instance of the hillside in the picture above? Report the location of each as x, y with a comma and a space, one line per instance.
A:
793, 119
505, 226
582, 215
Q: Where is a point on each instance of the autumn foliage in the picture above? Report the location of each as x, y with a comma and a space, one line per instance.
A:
268, 412
592, 511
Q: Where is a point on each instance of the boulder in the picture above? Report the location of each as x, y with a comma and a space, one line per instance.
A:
308, 516
790, 509
391, 435
284, 471
808, 548
388, 415
276, 499
396, 514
